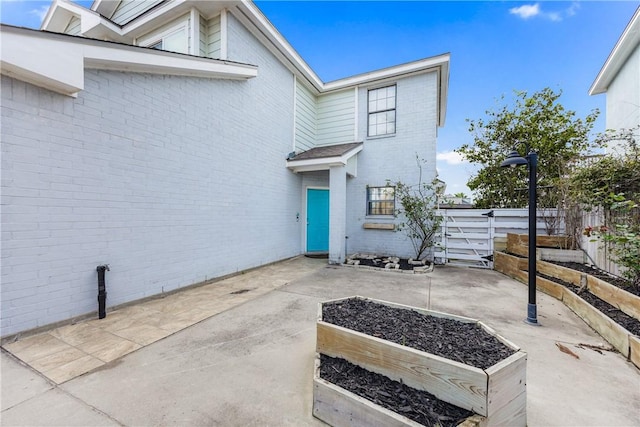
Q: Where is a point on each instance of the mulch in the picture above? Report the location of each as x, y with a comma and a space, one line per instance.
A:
417, 405
463, 342
600, 274
630, 323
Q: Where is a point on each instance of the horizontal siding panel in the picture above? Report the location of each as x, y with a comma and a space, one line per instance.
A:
336, 118
214, 37
204, 37
129, 9
306, 118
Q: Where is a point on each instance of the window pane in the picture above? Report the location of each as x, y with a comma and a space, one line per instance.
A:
380, 200
175, 42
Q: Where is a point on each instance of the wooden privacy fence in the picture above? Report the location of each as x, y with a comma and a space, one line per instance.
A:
467, 235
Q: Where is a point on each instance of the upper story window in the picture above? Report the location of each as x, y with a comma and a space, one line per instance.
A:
381, 201
382, 111
174, 39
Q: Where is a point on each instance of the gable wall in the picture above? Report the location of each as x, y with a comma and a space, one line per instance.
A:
128, 9
393, 158
623, 96
169, 180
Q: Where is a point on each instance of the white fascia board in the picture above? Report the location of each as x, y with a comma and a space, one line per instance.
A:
624, 47
278, 44
57, 62
143, 60
41, 61
105, 8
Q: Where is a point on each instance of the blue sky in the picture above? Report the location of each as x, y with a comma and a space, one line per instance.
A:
496, 47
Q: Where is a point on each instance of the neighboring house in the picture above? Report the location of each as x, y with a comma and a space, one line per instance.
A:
178, 167
619, 79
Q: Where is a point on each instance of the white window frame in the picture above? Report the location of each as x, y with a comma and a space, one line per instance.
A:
159, 37
371, 201
381, 111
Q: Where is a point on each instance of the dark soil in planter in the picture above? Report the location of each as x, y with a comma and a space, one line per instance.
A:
602, 275
404, 263
631, 324
417, 405
463, 342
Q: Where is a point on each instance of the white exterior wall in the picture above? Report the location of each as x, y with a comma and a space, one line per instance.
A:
129, 9
623, 95
306, 118
169, 180
393, 158
336, 118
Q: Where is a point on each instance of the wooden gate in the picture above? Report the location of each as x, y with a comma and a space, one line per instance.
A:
467, 235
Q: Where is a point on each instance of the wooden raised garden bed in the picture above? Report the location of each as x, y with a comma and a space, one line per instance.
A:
620, 338
497, 394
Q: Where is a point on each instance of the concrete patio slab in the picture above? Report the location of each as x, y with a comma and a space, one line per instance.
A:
253, 364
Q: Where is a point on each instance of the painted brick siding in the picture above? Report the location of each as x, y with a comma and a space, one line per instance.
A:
169, 180
393, 158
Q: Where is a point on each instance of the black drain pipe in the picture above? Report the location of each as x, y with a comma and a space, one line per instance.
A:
102, 291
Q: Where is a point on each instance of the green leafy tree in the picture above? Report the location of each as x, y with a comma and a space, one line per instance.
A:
418, 208
539, 120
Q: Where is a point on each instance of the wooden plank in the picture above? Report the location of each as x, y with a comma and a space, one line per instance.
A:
507, 378
339, 407
634, 350
462, 385
553, 270
378, 226
563, 255
617, 297
550, 288
513, 414
615, 334
500, 338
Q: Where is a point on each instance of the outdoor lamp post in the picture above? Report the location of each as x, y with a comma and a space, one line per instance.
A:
515, 159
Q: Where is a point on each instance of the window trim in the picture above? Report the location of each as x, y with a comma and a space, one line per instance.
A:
369, 202
394, 109
154, 38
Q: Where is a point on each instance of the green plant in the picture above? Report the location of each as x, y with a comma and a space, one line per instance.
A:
421, 221
623, 236
556, 134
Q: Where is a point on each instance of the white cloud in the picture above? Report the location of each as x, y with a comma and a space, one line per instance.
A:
534, 10
39, 12
450, 157
526, 11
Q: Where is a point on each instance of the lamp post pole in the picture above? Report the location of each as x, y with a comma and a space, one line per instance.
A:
532, 311
513, 160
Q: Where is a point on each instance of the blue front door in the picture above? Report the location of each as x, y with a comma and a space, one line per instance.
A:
317, 220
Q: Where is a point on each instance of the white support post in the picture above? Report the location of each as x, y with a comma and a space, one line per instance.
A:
337, 213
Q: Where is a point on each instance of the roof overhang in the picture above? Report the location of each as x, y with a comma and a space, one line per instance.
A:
625, 46
324, 163
57, 61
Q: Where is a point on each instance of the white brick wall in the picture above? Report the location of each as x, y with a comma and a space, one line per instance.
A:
393, 158
169, 180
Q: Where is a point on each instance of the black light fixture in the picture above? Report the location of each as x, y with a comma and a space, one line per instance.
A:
515, 159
